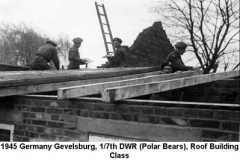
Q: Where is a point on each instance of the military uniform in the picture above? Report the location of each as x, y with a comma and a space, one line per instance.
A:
74, 56
44, 55
171, 95
118, 58
177, 63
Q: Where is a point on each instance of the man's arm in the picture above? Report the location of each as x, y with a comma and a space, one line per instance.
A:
176, 63
73, 57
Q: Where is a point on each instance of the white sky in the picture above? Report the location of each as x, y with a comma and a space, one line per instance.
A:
78, 18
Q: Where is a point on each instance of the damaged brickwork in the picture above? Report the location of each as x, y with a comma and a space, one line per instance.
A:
150, 48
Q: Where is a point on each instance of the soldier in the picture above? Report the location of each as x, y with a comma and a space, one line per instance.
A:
44, 55
168, 95
74, 56
119, 55
176, 60
167, 68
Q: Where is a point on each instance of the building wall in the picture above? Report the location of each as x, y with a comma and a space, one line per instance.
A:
44, 118
222, 91
150, 48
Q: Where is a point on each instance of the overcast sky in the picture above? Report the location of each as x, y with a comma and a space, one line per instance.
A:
78, 18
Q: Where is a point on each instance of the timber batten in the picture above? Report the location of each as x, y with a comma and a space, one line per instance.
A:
119, 93
41, 77
96, 88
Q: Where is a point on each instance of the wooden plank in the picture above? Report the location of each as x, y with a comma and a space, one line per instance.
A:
144, 131
118, 93
83, 90
229, 105
9, 67
6, 81
35, 88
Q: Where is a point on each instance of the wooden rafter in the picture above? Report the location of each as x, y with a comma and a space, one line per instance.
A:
42, 77
119, 93
36, 88
83, 90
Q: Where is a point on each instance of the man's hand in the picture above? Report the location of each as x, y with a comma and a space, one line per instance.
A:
85, 61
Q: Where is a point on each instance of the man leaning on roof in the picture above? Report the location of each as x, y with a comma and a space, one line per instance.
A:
176, 60
44, 55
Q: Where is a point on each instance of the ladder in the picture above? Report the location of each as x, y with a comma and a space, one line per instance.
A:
105, 33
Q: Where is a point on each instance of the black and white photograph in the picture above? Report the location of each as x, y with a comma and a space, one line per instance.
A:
120, 79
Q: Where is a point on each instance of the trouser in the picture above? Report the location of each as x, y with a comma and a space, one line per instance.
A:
39, 63
73, 66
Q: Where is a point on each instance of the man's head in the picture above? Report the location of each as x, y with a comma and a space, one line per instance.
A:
180, 47
51, 42
77, 42
167, 68
117, 42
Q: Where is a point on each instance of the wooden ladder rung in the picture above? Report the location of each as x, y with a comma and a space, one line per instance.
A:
106, 23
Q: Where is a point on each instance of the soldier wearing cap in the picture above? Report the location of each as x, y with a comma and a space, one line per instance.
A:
44, 55
175, 95
74, 56
176, 60
119, 54
167, 68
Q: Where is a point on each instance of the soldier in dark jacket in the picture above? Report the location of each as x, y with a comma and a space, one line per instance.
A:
176, 60
172, 95
44, 55
74, 56
119, 55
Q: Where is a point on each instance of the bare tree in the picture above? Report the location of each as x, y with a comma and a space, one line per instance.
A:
209, 26
19, 44
63, 47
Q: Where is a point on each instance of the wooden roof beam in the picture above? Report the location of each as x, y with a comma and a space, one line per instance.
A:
119, 93
84, 90
36, 88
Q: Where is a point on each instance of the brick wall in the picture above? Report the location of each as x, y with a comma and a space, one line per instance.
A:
47, 119
223, 91
150, 48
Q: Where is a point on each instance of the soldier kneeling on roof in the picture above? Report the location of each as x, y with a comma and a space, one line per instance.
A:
74, 56
119, 55
44, 55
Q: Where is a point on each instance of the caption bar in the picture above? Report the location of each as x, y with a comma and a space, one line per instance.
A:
120, 150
